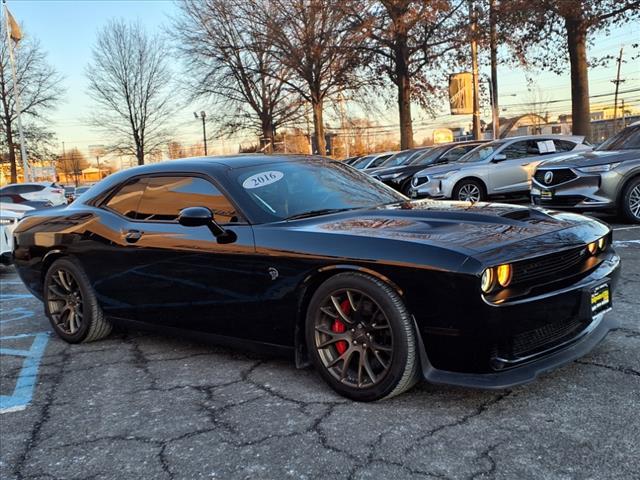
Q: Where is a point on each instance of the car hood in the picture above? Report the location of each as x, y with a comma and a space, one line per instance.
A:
442, 168
461, 226
586, 159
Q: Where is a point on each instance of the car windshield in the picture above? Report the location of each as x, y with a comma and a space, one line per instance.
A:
482, 152
401, 158
627, 139
286, 190
429, 156
363, 162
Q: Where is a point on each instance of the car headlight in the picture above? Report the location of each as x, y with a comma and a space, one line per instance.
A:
445, 175
390, 176
6, 221
602, 244
492, 276
598, 246
416, 181
599, 168
486, 282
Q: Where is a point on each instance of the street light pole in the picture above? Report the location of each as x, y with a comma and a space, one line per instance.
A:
474, 69
203, 115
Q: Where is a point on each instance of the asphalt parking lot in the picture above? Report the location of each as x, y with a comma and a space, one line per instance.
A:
139, 405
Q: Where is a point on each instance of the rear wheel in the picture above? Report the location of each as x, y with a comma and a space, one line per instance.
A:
630, 201
469, 191
71, 304
360, 338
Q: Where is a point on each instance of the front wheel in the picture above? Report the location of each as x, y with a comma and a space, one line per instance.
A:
630, 201
360, 338
71, 304
469, 191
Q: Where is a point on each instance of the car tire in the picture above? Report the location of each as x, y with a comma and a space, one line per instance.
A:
391, 355
629, 206
468, 187
406, 188
71, 305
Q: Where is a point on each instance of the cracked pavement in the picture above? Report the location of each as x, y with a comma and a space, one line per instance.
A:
140, 405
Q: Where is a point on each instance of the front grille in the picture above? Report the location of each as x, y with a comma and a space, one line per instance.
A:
542, 338
560, 175
549, 266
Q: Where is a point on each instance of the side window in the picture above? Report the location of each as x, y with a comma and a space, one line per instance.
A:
455, 153
28, 188
10, 190
126, 200
525, 148
164, 197
564, 145
379, 160
6, 199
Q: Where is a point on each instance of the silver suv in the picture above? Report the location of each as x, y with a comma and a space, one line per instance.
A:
606, 179
499, 168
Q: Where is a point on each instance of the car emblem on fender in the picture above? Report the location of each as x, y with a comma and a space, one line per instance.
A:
548, 177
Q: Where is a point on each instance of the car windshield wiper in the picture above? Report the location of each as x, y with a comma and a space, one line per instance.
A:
315, 213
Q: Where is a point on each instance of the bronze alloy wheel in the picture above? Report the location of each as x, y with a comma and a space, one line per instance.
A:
354, 338
65, 301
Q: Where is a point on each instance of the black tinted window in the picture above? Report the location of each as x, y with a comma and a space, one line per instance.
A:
165, 197
6, 199
563, 145
527, 148
378, 161
10, 189
627, 139
126, 200
28, 188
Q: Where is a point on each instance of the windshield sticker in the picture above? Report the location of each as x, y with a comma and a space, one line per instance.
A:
261, 179
546, 146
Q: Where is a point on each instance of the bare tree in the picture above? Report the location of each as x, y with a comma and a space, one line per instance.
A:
71, 163
409, 40
129, 76
315, 41
231, 65
39, 87
547, 32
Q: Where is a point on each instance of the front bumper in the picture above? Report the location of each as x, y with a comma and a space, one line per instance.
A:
433, 188
570, 305
584, 192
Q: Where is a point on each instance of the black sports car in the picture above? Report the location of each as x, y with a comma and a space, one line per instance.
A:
311, 258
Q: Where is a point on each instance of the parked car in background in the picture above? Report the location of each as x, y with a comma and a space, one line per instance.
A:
371, 161
15, 199
37, 191
10, 215
607, 179
399, 177
83, 188
403, 157
70, 193
499, 168
350, 160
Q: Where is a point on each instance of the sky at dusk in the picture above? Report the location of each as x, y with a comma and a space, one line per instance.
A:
67, 31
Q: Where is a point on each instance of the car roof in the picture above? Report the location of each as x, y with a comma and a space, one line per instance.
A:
575, 138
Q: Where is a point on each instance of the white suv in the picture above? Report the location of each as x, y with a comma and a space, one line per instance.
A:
37, 191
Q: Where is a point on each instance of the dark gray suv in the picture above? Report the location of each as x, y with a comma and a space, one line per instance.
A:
607, 178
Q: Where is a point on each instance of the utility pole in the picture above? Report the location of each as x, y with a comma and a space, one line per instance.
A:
203, 115
16, 92
493, 45
617, 81
474, 66
345, 134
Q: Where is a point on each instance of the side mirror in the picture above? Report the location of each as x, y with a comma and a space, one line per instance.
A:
499, 158
201, 217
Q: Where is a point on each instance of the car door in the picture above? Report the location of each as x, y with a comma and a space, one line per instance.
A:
512, 173
186, 278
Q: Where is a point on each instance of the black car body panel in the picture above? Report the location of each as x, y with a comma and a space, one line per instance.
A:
255, 288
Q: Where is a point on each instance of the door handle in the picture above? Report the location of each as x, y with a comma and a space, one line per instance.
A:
132, 236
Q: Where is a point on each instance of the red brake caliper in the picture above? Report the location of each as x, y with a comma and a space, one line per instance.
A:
338, 326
